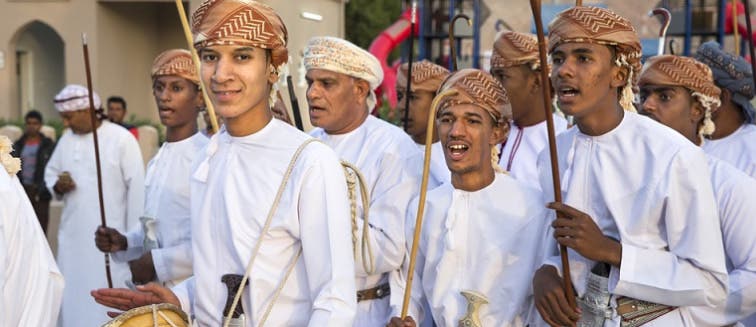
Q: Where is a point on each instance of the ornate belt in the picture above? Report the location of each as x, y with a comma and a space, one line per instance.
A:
636, 312
378, 292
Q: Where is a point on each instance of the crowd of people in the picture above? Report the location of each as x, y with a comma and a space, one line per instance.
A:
260, 223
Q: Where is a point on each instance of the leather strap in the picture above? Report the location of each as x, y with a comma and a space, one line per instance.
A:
378, 292
638, 312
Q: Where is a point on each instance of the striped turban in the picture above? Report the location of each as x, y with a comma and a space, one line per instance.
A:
240, 22
341, 56
75, 97
176, 62
514, 49
426, 76
690, 74
732, 73
584, 24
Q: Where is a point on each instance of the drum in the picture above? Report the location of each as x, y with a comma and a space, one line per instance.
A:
156, 315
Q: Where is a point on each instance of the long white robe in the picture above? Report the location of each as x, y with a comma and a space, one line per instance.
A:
166, 190
648, 187
519, 154
737, 149
232, 190
439, 171
388, 158
79, 260
489, 241
734, 191
31, 286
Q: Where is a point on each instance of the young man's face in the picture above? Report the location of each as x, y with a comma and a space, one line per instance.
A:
419, 105
178, 100
116, 112
32, 126
671, 105
467, 133
238, 79
584, 77
78, 121
519, 81
336, 101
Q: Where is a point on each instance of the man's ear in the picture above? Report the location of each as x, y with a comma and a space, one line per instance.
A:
499, 133
726, 96
535, 86
619, 76
272, 74
361, 88
697, 110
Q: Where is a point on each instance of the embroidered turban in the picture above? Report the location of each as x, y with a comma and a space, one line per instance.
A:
586, 24
689, 73
240, 22
75, 97
176, 62
514, 49
732, 73
341, 56
426, 76
478, 88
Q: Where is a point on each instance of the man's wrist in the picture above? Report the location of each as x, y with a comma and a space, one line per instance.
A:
613, 253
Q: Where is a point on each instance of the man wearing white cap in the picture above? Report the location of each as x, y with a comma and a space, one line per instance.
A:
341, 78
71, 176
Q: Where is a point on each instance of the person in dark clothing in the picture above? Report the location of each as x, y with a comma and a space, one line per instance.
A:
35, 149
117, 114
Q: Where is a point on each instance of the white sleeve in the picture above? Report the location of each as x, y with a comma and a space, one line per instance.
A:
185, 292
173, 262
54, 168
132, 168
135, 241
398, 280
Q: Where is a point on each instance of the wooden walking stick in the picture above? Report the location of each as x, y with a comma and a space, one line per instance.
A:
93, 119
452, 47
195, 59
413, 21
735, 32
750, 38
666, 18
578, 3
421, 203
535, 6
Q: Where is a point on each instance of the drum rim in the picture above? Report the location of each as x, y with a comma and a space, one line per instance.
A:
123, 317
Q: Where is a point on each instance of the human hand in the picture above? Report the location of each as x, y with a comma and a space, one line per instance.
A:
110, 240
398, 322
577, 230
551, 300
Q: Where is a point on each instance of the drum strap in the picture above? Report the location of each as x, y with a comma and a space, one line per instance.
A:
264, 231
354, 178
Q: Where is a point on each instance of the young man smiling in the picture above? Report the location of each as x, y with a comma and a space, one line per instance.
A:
679, 92
248, 178
482, 236
639, 216
165, 255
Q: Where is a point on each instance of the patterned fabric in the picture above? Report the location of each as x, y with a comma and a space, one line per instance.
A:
177, 62
478, 88
731, 72
426, 76
682, 71
514, 49
601, 26
75, 97
341, 56
240, 22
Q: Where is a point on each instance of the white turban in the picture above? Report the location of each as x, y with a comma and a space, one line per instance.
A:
75, 97
341, 56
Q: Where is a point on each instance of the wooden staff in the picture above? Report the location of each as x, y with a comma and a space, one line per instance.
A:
294, 104
578, 3
452, 47
421, 204
735, 32
535, 6
666, 18
750, 38
195, 59
93, 120
413, 21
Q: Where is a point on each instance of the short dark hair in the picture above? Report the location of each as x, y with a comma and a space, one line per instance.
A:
118, 99
33, 114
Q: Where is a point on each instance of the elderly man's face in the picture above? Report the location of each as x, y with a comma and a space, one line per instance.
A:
337, 102
78, 121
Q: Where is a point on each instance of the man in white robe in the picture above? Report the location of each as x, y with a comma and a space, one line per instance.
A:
482, 234
426, 78
515, 63
303, 273
31, 286
160, 249
341, 78
680, 93
71, 175
639, 215
732, 141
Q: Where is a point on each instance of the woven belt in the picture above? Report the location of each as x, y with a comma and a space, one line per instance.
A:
378, 292
638, 312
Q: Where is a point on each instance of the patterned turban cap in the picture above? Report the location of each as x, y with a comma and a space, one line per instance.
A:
426, 76
341, 56
240, 22
689, 73
176, 62
75, 97
514, 49
601, 26
732, 73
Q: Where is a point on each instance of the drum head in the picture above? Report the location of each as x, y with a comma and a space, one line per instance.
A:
165, 314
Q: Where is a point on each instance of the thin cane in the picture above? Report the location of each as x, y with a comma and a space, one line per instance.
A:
750, 38
452, 47
666, 18
413, 21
